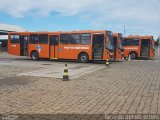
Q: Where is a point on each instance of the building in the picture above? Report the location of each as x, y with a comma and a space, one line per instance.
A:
4, 29
4, 37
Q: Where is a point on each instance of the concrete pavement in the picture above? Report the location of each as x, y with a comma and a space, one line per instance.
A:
124, 88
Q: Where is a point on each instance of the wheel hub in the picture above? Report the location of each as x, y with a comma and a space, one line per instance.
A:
133, 56
83, 58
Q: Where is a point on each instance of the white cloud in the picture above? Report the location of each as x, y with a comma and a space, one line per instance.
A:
132, 13
141, 9
19, 8
11, 27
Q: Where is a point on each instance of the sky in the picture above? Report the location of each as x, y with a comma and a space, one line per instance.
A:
140, 17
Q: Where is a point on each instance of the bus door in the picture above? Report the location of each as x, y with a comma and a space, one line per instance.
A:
145, 47
54, 42
43, 46
24, 45
98, 46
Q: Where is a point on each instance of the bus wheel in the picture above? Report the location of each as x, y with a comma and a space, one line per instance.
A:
83, 57
133, 55
34, 55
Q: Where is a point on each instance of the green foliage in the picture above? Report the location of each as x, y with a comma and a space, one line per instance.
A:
157, 42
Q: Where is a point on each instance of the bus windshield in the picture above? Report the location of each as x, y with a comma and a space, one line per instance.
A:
152, 44
110, 45
120, 46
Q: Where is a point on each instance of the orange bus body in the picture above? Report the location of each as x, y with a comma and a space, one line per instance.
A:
82, 45
139, 47
119, 50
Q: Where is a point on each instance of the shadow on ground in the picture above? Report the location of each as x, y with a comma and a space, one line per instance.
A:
14, 81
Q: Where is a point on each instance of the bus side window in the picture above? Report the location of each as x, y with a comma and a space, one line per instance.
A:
54, 40
33, 39
75, 39
43, 39
85, 38
135, 42
14, 38
127, 42
64, 38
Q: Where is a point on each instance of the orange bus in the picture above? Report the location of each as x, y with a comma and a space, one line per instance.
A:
139, 47
76, 45
119, 50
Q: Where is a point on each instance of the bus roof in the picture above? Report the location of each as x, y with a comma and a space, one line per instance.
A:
45, 32
117, 34
137, 36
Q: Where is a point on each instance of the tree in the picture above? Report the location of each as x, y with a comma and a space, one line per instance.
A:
157, 42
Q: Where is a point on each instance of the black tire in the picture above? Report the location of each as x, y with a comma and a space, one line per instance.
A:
34, 55
133, 55
83, 58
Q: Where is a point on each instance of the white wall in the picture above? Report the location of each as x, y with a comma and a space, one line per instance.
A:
2, 37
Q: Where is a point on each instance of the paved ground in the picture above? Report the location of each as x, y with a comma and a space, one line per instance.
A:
125, 87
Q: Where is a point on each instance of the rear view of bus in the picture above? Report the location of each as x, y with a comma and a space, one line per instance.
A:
139, 47
119, 50
14, 47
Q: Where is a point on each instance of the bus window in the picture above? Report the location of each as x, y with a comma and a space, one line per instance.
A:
75, 39
43, 39
64, 38
134, 41
127, 42
14, 38
33, 39
145, 42
54, 40
85, 38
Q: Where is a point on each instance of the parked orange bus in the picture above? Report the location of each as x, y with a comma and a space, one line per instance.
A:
139, 47
119, 50
76, 45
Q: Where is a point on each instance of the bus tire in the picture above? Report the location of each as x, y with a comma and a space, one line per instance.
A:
133, 55
34, 55
83, 57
